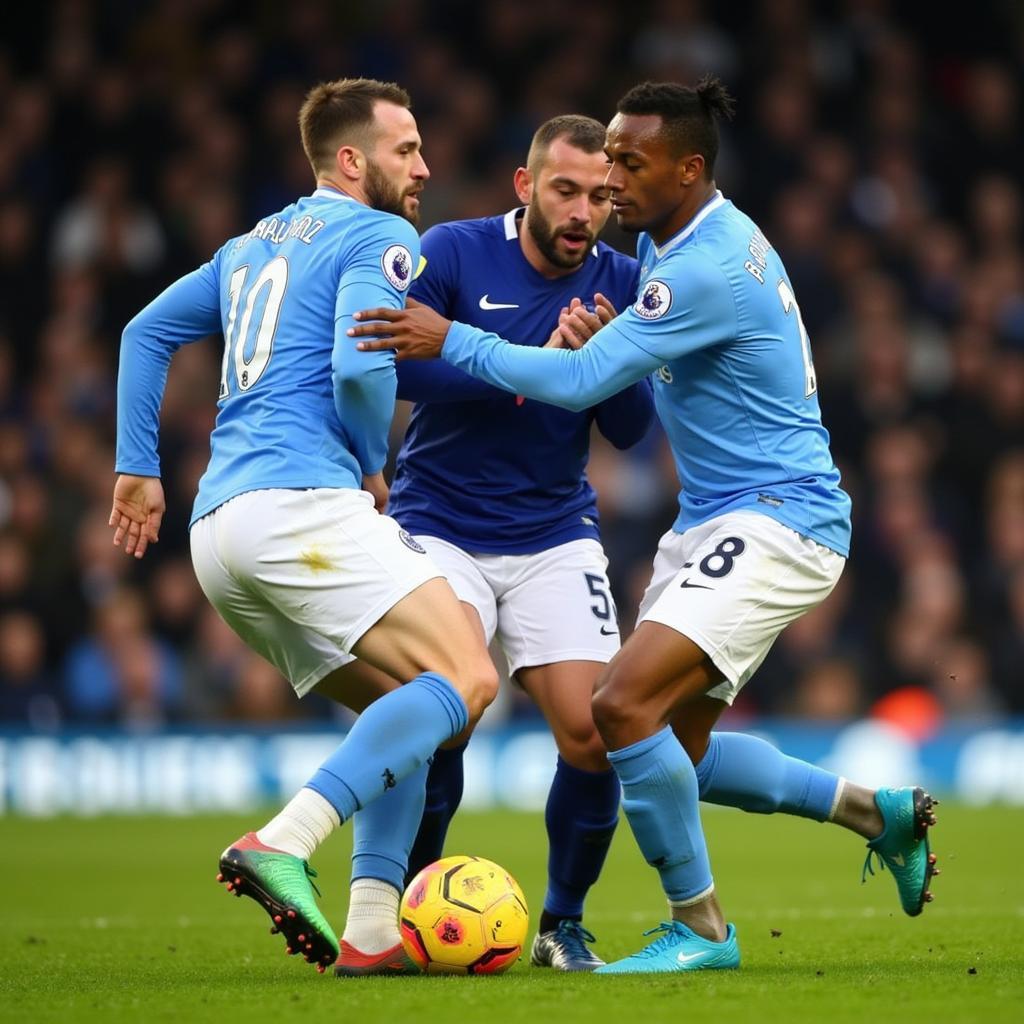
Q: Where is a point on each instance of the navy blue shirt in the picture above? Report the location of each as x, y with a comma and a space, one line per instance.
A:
482, 468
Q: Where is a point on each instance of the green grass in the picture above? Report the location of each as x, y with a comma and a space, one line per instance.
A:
120, 919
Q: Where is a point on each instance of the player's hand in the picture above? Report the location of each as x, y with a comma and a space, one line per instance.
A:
416, 332
377, 487
137, 512
577, 325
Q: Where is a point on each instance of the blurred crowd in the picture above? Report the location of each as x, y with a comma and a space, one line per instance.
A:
883, 159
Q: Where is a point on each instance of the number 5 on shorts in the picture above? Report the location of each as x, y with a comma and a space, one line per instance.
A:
605, 607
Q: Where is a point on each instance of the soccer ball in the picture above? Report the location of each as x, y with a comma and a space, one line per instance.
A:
464, 915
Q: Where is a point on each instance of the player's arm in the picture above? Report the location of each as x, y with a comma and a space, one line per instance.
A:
626, 417
434, 380
694, 311
365, 383
574, 380
186, 311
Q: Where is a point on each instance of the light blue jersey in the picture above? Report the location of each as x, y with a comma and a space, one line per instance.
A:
716, 320
299, 406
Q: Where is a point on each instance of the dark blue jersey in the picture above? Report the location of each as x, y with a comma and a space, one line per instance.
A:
479, 467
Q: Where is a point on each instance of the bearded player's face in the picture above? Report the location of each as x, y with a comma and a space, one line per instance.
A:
396, 171
568, 204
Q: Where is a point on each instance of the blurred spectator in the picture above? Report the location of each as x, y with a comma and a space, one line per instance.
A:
27, 694
120, 673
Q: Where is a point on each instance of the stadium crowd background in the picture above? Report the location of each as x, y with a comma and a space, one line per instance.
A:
883, 158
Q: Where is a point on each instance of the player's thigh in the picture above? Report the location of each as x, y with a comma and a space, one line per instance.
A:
556, 606
741, 579
658, 669
468, 579
428, 630
563, 691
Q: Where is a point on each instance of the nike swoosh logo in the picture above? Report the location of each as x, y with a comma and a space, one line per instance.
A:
684, 958
898, 859
607, 632
485, 303
693, 586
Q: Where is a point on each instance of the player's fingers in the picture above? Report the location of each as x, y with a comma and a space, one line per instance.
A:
390, 315
152, 532
374, 330
604, 308
131, 539
569, 337
381, 345
575, 304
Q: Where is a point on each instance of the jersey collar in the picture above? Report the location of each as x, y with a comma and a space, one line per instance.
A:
688, 229
512, 230
326, 192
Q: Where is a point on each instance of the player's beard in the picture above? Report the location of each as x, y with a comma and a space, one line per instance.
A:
381, 194
546, 238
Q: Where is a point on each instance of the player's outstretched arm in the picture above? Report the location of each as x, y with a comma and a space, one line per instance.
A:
416, 332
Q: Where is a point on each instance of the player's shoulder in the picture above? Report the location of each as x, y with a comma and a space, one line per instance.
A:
371, 224
460, 233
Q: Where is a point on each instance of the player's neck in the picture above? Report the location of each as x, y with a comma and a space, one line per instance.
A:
535, 257
350, 189
684, 213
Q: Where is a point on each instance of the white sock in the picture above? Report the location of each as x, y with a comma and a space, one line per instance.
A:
372, 924
303, 824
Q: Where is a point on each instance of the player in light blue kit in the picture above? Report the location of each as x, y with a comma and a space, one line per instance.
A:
495, 489
286, 540
763, 529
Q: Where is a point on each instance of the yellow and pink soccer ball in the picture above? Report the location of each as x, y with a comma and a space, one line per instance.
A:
464, 915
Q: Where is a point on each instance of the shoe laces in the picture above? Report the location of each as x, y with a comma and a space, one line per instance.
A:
663, 942
574, 937
311, 874
868, 868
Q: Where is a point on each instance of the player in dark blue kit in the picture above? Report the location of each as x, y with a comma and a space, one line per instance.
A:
763, 529
494, 488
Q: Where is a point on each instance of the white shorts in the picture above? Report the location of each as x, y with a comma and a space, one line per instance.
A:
733, 584
301, 575
552, 606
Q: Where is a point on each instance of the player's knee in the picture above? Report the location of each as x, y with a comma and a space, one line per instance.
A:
614, 711
580, 744
479, 686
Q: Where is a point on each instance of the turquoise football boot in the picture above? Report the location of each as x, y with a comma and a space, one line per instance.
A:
679, 949
902, 846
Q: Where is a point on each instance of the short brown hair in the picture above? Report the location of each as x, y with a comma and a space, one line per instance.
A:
340, 112
578, 130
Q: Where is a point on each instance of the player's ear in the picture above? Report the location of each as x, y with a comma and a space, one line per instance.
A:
691, 168
523, 182
351, 162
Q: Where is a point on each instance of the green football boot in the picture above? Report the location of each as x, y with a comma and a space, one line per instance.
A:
902, 846
281, 884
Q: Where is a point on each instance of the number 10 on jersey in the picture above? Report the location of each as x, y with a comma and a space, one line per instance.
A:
273, 276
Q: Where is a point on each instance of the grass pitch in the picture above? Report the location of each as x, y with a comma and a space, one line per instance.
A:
120, 919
